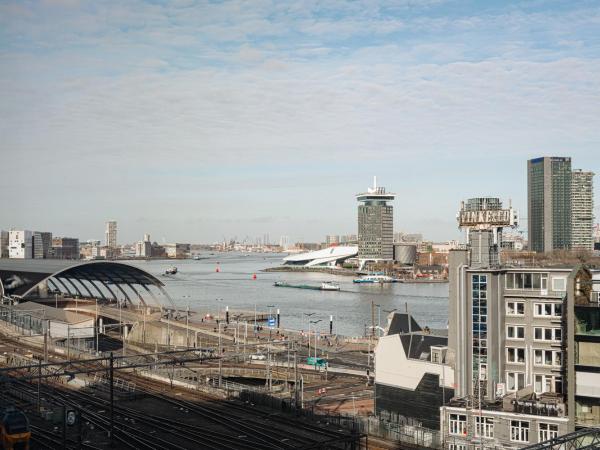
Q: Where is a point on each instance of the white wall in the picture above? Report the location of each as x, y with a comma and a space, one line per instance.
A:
394, 369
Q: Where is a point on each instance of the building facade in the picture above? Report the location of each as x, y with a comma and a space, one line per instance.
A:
3, 244
375, 226
20, 244
111, 234
549, 203
143, 249
582, 205
64, 248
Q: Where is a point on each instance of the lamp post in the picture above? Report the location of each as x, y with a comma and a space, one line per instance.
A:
219, 300
308, 316
270, 317
314, 322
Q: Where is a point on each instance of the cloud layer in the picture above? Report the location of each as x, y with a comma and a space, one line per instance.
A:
137, 110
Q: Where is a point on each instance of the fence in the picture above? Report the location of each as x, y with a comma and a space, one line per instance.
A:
408, 435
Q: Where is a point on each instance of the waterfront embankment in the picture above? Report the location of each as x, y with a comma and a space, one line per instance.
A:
332, 271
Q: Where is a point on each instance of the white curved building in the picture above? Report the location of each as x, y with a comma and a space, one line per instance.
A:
327, 257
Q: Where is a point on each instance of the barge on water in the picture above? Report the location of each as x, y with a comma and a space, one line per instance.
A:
325, 286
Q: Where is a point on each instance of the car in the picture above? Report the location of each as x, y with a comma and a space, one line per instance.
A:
258, 357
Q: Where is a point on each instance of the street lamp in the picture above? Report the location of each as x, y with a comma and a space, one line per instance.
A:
219, 300
314, 322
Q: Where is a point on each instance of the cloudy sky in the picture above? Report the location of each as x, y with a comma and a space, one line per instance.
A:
195, 120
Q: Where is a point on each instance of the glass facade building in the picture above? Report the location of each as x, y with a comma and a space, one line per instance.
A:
549, 203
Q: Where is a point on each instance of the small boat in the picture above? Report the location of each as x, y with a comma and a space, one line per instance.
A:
171, 271
330, 286
374, 279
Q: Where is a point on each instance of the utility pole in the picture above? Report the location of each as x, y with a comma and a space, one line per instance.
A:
296, 379
39, 381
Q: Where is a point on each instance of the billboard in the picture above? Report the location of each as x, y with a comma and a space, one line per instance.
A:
490, 217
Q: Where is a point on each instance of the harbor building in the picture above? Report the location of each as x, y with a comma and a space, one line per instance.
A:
111, 234
143, 249
412, 377
327, 257
375, 225
20, 244
549, 203
582, 206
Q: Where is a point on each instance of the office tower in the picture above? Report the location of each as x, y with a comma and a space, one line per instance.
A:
582, 205
37, 245
3, 244
549, 203
375, 225
20, 244
111, 234
65, 248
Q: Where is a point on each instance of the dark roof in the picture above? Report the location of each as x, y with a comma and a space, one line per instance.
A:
418, 345
20, 277
403, 323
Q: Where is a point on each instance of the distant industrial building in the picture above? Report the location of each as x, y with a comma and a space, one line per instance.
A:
549, 203
111, 234
59, 323
375, 225
349, 239
405, 253
177, 251
582, 206
64, 248
327, 257
20, 244
143, 249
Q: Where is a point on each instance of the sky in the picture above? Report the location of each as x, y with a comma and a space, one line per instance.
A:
196, 121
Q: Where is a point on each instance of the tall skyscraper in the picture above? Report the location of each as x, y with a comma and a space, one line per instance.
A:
549, 203
111, 234
375, 225
582, 218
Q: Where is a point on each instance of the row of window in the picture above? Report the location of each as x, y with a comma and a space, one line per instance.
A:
484, 428
534, 281
517, 308
517, 332
517, 355
542, 382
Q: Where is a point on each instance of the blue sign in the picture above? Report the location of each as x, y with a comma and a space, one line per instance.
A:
271, 322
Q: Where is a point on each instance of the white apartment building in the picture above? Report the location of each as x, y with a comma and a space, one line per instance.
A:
20, 244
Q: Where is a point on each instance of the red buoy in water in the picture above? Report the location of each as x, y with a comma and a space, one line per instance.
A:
217, 269
254, 276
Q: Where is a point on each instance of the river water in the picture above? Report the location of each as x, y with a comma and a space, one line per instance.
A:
198, 284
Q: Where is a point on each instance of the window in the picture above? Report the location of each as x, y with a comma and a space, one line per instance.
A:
547, 309
547, 334
547, 383
515, 355
519, 431
457, 447
515, 332
547, 358
547, 431
515, 308
559, 284
484, 427
458, 424
527, 281
515, 381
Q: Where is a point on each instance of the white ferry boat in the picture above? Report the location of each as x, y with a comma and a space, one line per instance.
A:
374, 279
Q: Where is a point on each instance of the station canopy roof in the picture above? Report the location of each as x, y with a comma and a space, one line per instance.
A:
108, 280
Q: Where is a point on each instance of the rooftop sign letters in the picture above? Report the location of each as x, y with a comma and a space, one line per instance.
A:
496, 217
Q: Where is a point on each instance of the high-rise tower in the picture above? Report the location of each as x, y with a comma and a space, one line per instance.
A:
111, 234
549, 203
582, 220
375, 225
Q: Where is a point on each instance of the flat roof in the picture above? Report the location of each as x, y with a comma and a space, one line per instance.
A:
45, 312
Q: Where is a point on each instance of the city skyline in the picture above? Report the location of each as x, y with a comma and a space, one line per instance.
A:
193, 121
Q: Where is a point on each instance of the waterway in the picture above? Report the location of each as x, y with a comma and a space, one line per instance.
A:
199, 285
